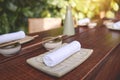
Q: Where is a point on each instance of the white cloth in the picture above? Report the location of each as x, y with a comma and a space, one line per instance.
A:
108, 24
61, 54
84, 21
116, 25
11, 36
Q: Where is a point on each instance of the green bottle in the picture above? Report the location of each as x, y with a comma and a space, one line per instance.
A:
68, 28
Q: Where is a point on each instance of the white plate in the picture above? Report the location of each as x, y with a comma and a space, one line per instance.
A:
112, 28
82, 24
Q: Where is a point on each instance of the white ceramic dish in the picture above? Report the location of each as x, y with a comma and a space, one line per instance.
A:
52, 43
10, 50
110, 25
83, 24
92, 24
112, 28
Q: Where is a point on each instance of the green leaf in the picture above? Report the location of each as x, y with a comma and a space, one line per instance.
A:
11, 6
27, 12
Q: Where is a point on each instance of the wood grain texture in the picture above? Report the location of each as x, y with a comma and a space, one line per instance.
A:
99, 66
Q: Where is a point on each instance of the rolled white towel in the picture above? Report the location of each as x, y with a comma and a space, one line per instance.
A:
116, 25
61, 54
11, 36
84, 21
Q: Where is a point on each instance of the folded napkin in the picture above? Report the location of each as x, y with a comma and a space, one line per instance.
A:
116, 25
61, 54
84, 21
11, 36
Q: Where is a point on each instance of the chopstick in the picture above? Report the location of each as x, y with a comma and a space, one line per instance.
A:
43, 41
8, 43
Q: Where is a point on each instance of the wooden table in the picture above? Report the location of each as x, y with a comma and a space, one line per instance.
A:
103, 64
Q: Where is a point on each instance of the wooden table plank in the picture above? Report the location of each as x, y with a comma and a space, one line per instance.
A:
101, 40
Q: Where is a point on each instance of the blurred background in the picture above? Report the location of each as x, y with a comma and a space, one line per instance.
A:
14, 14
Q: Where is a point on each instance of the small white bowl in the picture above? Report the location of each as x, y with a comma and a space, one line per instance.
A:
52, 44
92, 24
10, 50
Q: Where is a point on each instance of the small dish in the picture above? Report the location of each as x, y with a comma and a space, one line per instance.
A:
52, 44
112, 28
92, 24
10, 49
83, 22
108, 22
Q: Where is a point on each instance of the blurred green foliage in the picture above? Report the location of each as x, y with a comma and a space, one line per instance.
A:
15, 13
